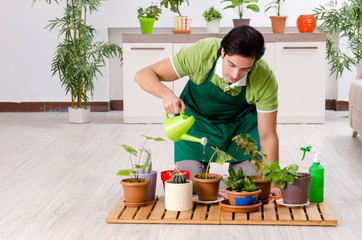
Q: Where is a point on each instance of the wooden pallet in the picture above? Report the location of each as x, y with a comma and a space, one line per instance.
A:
315, 214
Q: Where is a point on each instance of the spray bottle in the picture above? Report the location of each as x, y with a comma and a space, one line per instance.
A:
317, 172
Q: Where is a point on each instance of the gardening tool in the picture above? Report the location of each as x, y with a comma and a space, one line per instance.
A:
177, 127
317, 172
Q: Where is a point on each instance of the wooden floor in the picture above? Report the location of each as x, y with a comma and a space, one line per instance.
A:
58, 180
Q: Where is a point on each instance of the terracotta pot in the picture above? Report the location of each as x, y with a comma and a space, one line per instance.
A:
241, 22
278, 23
242, 198
264, 186
207, 189
151, 188
306, 23
178, 197
298, 192
135, 192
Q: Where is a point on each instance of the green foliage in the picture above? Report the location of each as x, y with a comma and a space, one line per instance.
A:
142, 154
221, 158
345, 23
77, 59
240, 6
174, 5
240, 181
152, 11
280, 176
277, 4
211, 14
249, 147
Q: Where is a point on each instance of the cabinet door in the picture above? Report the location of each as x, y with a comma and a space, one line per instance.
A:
179, 84
140, 106
269, 54
300, 69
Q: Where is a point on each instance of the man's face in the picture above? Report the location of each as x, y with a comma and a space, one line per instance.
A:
235, 67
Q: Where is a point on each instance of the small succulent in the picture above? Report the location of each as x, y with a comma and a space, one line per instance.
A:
178, 177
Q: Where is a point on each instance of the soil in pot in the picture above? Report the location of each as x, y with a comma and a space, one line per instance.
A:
298, 192
207, 189
264, 186
135, 192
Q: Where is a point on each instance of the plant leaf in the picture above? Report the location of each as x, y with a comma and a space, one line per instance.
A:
125, 172
130, 149
142, 166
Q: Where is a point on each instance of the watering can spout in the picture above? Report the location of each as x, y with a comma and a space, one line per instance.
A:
176, 128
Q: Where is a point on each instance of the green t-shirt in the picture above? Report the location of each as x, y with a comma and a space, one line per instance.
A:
197, 60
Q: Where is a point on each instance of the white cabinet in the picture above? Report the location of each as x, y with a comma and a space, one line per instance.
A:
138, 105
299, 68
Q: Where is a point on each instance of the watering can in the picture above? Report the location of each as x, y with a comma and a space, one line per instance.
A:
177, 127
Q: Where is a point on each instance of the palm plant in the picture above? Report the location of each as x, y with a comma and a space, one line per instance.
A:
77, 59
344, 22
277, 4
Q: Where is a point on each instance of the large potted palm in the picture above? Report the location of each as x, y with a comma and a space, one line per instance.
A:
77, 58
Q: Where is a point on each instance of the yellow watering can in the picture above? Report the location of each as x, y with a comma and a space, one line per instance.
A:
177, 127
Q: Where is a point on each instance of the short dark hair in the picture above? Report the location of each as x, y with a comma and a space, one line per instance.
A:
245, 41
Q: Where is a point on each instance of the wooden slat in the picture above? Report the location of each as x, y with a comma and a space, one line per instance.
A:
145, 211
327, 213
255, 217
128, 213
313, 213
199, 214
284, 214
269, 213
185, 215
214, 214
114, 214
241, 217
170, 215
158, 210
299, 215
226, 217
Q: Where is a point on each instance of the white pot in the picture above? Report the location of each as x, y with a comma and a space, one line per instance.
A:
79, 115
213, 26
178, 197
182, 23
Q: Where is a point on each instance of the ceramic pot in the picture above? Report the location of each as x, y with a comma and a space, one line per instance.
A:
298, 192
278, 23
147, 25
213, 26
182, 24
79, 115
306, 23
241, 22
167, 175
242, 198
207, 189
151, 188
134, 192
178, 197
264, 186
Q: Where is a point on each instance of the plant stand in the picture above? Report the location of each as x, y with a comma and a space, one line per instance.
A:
315, 214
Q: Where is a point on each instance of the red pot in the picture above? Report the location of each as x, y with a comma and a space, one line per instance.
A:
306, 23
166, 176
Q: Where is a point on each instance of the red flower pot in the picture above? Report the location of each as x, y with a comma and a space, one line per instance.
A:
166, 175
306, 23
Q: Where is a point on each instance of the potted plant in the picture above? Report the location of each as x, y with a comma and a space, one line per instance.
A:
182, 23
167, 175
77, 58
240, 6
207, 184
293, 184
212, 17
178, 192
248, 146
147, 17
341, 21
141, 173
278, 22
241, 188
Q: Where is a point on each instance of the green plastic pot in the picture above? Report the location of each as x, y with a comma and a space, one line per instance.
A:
147, 25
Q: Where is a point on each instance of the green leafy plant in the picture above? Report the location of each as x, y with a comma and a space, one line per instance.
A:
277, 5
240, 181
174, 5
280, 176
152, 11
343, 22
138, 166
221, 158
178, 177
240, 6
77, 59
211, 14
248, 146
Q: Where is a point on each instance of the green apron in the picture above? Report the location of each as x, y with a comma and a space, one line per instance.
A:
218, 117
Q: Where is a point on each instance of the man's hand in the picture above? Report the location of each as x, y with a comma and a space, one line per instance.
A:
275, 191
172, 103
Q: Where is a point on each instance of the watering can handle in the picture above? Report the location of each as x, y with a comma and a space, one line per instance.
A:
180, 113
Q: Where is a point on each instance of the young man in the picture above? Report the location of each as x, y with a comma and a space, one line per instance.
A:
231, 91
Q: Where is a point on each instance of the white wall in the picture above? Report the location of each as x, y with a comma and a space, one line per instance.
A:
27, 48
